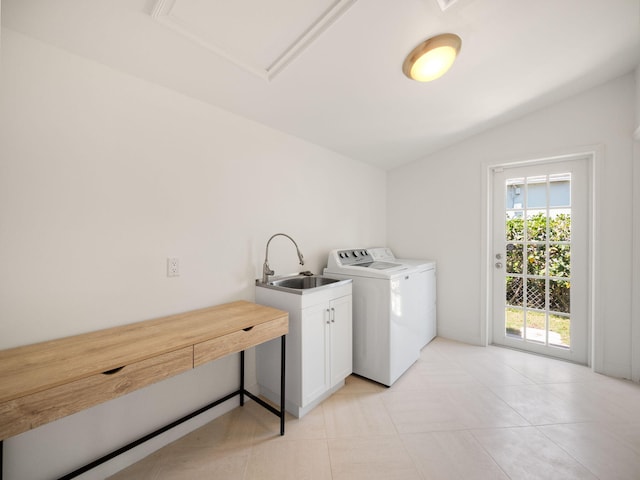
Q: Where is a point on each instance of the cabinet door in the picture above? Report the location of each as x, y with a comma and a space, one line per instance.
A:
341, 344
314, 346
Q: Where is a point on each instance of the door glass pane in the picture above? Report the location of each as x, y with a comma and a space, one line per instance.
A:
536, 330
514, 257
515, 193
536, 225
536, 293
559, 330
536, 259
514, 291
560, 260
537, 192
515, 226
559, 296
560, 226
560, 190
514, 322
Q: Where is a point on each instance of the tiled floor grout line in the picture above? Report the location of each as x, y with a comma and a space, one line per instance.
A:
458, 404
563, 449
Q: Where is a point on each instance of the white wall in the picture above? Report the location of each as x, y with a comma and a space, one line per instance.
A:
102, 177
436, 205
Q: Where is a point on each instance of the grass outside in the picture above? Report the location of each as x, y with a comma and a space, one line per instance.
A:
557, 324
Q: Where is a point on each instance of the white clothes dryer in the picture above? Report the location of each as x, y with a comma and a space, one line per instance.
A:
424, 274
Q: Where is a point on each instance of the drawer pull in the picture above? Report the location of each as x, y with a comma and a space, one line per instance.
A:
248, 328
113, 370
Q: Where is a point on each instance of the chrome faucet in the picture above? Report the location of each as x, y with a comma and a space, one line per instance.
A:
266, 271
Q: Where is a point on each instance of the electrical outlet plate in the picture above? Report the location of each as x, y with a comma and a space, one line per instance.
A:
173, 267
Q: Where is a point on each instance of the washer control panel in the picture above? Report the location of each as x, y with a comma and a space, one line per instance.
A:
354, 257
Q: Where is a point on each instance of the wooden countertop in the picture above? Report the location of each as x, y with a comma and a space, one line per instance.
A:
33, 368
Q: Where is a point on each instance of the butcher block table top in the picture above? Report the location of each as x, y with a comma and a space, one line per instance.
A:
34, 368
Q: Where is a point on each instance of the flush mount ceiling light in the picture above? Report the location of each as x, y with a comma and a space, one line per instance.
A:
432, 58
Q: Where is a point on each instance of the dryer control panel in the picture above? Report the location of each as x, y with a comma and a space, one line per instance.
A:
382, 254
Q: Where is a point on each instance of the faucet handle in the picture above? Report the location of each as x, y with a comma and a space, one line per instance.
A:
266, 271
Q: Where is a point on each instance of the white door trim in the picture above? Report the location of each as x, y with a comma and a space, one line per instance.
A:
635, 279
595, 160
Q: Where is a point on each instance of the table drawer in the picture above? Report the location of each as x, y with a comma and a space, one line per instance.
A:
235, 342
25, 413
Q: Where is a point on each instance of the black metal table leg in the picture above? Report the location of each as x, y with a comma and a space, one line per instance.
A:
242, 378
282, 378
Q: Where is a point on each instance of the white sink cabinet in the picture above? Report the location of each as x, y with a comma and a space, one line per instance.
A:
318, 346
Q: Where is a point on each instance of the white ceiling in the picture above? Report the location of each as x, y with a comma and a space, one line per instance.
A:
330, 71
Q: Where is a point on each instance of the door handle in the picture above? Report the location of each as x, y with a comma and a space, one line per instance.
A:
498, 265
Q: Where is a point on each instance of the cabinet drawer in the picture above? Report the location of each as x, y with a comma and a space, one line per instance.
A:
25, 413
234, 342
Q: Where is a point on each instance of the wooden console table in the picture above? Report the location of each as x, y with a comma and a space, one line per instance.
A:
43, 382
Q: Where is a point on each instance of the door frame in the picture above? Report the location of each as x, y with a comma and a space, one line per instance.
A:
635, 276
594, 156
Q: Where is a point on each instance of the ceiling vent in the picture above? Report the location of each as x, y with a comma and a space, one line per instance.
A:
444, 4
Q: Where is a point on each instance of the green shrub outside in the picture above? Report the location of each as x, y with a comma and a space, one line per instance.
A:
535, 260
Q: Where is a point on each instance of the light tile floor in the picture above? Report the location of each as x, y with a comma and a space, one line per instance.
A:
461, 412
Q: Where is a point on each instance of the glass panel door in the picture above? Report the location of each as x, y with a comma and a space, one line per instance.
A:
534, 272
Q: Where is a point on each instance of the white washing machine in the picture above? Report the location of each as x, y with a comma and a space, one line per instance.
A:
389, 310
